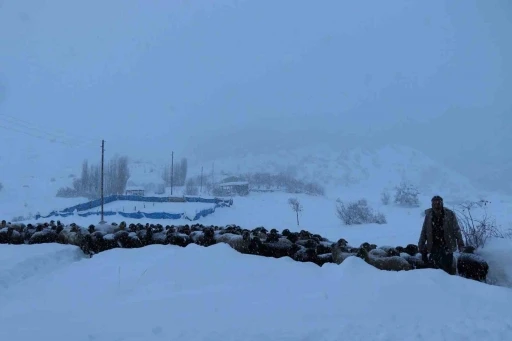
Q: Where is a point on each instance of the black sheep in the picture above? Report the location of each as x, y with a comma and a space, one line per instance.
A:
293, 237
87, 245
103, 242
272, 237
323, 248
306, 255
4, 239
472, 266
324, 258
178, 239
91, 228
207, 238
308, 243
411, 249
392, 252
148, 238
278, 248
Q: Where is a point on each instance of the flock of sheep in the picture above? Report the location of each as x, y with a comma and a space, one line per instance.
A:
301, 246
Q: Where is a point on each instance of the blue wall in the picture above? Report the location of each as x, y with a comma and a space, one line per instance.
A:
140, 215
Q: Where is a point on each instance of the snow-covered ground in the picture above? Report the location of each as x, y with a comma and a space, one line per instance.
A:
318, 216
149, 207
215, 293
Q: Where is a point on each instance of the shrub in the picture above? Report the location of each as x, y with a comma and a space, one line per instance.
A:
407, 195
1, 186
385, 197
476, 230
66, 192
358, 212
312, 188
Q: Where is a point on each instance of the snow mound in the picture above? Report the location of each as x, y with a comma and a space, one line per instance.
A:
498, 254
216, 293
21, 262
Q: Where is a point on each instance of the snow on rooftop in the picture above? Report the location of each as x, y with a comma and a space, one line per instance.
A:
234, 183
134, 188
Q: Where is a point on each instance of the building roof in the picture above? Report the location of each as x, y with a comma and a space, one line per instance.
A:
134, 188
234, 183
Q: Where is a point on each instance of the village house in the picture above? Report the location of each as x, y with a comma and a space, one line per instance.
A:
135, 190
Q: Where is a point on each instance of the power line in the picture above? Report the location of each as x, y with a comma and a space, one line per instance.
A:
25, 124
38, 136
22, 132
30, 125
30, 129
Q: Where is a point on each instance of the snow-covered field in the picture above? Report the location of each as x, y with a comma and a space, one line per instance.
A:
50, 292
273, 211
149, 207
215, 293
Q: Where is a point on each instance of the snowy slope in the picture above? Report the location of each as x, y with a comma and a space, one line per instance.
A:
373, 168
215, 293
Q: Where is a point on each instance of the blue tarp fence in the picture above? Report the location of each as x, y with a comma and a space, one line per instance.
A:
71, 211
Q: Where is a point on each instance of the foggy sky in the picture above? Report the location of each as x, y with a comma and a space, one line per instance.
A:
216, 78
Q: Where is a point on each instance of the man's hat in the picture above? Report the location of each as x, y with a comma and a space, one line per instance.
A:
437, 197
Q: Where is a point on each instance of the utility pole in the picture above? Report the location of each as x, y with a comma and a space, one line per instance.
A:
172, 170
201, 191
102, 178
213, 171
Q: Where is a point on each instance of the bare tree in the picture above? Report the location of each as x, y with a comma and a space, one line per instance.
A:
296, 207
85, 179
116, 176
476, 231
166, 176
191, 187
122, 174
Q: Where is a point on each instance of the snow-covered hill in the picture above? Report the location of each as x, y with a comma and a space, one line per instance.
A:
369, 170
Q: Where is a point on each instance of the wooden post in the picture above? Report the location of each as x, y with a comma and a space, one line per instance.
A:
102, 179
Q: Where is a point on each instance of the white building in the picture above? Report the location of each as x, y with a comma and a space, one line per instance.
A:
146, 177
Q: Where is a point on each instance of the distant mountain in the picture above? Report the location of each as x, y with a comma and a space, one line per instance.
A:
369, 168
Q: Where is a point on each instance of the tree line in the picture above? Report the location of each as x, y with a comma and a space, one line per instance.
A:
88, 184
177, 175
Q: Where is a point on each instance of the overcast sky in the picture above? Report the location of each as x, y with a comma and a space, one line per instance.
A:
196, 75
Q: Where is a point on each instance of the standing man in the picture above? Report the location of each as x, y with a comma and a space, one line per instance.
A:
441, 236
